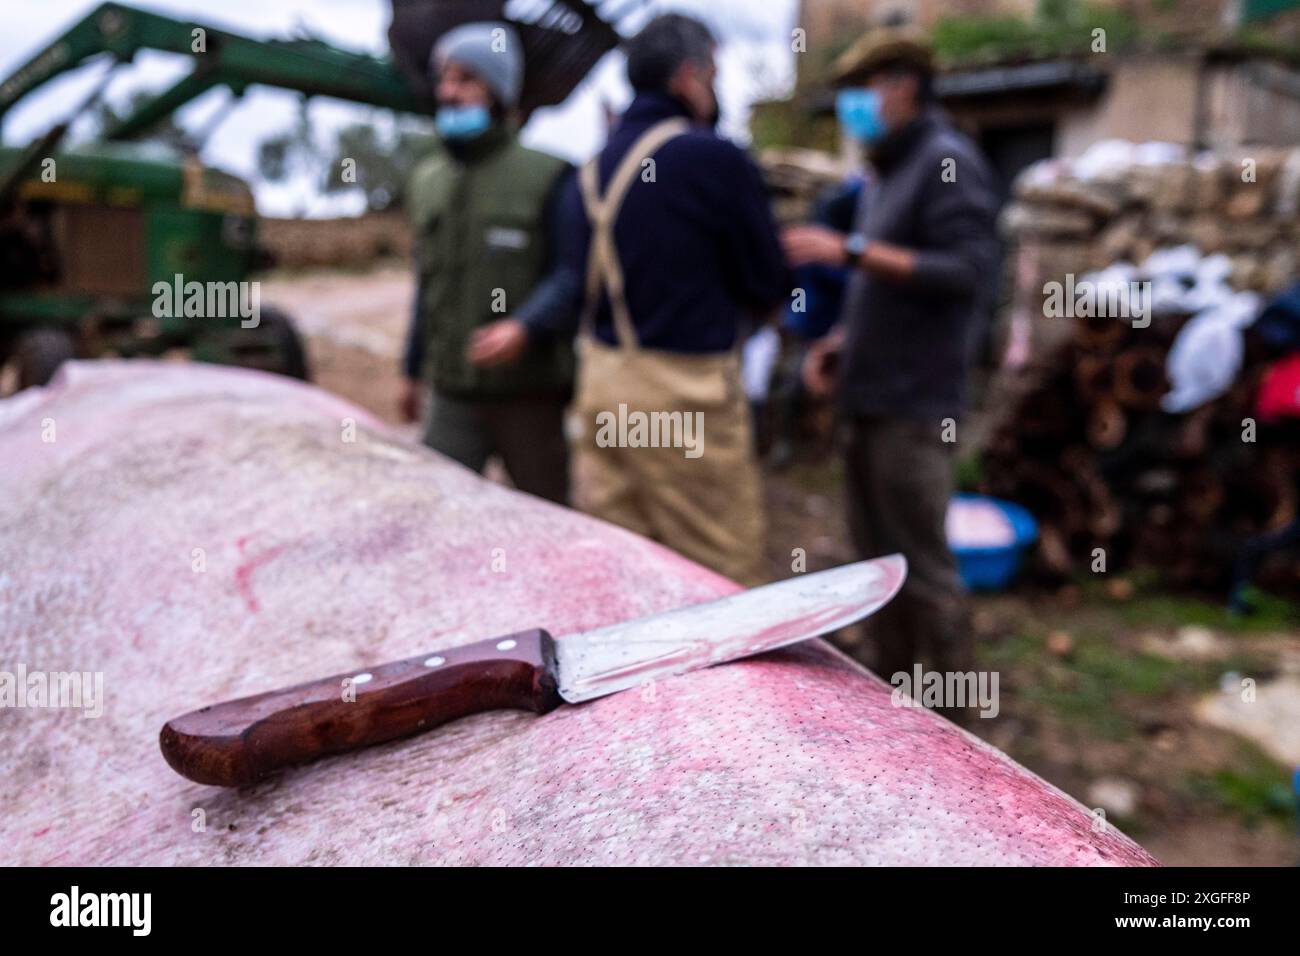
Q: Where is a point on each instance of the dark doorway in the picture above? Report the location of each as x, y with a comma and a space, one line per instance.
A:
1011, 148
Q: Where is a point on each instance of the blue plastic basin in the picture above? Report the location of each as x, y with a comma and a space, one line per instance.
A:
993, 569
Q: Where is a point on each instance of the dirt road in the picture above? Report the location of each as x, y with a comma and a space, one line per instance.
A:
355, 326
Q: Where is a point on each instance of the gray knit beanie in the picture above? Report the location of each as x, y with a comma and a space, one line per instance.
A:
490, 49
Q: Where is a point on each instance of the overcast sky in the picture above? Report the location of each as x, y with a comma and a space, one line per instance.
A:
755, 61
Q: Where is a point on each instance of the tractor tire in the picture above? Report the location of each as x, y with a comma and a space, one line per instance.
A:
288, 343
273, 346
39, 352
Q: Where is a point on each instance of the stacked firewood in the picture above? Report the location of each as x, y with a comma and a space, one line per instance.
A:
1118, 484
1079, 433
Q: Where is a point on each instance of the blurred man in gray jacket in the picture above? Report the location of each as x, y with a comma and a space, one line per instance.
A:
924, 253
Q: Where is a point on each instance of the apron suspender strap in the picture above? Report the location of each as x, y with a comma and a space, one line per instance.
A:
603, 266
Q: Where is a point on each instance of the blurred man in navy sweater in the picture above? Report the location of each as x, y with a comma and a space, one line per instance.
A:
671, 251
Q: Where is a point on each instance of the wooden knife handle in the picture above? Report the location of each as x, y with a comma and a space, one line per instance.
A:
241, 741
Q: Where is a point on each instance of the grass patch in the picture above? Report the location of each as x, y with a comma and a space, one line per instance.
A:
1056, 28
1172, 612
1154, 607
1137, 673
968, 473
1093, 684
1108, 687
1085, 703
1254, 787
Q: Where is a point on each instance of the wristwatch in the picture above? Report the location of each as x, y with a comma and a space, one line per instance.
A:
855, 243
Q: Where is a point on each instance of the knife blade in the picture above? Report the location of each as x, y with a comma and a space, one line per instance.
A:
242, 741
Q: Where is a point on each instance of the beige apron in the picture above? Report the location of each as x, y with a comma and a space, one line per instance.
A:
708, 507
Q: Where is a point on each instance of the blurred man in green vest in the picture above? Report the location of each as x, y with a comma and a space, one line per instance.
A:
481, 208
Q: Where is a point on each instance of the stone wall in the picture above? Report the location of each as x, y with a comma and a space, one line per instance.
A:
348, 243
1121, 202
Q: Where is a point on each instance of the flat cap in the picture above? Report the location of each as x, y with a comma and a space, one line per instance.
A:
882, 47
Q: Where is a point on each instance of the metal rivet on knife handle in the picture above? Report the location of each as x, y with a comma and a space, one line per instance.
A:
242, 741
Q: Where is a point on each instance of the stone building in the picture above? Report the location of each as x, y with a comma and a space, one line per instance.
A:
1198, 76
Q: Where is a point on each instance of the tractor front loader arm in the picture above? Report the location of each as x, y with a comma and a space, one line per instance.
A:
221, 58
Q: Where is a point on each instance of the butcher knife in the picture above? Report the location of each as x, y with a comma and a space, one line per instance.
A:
242, 741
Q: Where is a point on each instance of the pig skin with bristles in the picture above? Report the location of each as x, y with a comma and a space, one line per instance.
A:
322, 555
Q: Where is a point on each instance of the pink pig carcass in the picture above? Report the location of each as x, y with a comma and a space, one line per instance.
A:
196, 533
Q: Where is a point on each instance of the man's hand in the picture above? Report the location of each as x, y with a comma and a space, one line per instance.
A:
821, 364
501, 343
808, 245
408, 401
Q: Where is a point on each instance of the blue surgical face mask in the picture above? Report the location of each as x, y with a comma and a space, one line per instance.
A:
858, 111
462, 122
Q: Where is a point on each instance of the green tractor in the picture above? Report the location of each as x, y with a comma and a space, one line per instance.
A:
128, 248
86, 250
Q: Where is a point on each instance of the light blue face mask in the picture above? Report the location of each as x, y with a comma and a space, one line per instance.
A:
858, 111
462, 122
